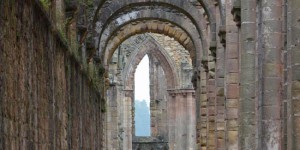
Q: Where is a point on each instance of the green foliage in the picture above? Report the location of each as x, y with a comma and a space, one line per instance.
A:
103, 106
94, 77
101, 71
46, 4
93, 72
87, 3
63, 35
68, 21
142, 118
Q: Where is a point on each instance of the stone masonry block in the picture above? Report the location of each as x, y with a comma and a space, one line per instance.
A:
271, 112
232, 78
232, 103
232, 51
232, 91
232, 65
232, 113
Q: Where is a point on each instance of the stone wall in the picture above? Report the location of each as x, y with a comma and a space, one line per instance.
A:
179, 55
244, 56
158, 100
170, 71
46, 100
149, 143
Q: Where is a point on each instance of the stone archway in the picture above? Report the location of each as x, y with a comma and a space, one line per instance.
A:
153, 50
173, 21
185, 37
57, 62
166, 131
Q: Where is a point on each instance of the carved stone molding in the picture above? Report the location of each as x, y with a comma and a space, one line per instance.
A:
205, 65
183, 92
128, 92
172, 93
236, 12
194, 79
213, 49
222, 35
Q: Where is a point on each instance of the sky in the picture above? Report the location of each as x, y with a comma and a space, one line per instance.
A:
142, 83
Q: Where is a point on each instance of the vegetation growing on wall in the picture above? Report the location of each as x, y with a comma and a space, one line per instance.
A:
87, 3
46, 4
93, 72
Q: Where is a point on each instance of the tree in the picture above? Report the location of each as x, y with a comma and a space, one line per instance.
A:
142, 118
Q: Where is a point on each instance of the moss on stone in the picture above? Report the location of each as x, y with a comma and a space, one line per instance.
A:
46, 4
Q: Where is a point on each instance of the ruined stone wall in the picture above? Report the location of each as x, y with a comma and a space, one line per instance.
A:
46, 100
172, 71
179, 55
149, 143
158, 100
291, 129
244, 55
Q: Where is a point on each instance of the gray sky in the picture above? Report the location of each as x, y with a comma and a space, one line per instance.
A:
142, 91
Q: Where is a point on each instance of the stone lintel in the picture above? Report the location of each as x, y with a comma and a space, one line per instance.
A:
183, 92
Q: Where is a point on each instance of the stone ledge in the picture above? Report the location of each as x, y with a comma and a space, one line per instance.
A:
149, 143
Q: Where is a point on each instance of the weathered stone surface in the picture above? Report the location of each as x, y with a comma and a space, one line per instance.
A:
47, 101
149, 143
64, 63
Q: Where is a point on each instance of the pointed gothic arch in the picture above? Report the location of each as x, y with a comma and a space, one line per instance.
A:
152, 49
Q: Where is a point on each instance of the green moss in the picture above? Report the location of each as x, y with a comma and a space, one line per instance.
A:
101, 71
63, 35
87, 3
46, 4
93, 72
103, 106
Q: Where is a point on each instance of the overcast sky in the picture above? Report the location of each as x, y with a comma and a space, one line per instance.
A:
142, 91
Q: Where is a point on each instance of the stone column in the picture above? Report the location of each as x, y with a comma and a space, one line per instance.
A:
179, 131
270, 61
154, 92
211, 109
231, 78
171, 118
184, 127
112, 115
127, 122
191, 120
158, 101
248, 74
203, 110
184, 120
196, 79
220, 90
293, 56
